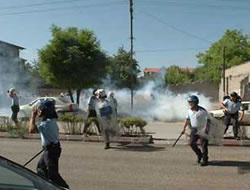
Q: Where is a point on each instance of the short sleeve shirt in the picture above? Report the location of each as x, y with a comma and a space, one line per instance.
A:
92, 102
49, 132
15, 100
198, 119
232, 106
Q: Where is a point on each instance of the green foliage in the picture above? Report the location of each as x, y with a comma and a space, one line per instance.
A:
237, 51
121, 70
174, 75
15, 130
73, 59
18, 130
74, 124
131, 124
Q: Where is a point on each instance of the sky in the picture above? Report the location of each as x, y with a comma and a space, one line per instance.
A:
166, 32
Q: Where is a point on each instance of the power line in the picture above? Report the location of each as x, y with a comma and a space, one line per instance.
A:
175, 28
168, 50
40, 4
64, 8
191, 4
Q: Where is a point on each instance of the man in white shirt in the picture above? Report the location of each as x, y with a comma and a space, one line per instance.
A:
197, 120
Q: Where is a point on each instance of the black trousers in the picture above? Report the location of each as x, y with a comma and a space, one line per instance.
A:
15, 109
48, 165
204, 144
91, 114
235, 122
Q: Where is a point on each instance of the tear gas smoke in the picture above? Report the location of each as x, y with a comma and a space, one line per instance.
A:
12, 75
152, 102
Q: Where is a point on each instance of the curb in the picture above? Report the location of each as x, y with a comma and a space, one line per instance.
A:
224, 142
135, 140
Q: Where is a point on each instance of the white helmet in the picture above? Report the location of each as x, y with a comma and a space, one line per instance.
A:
101, 93
111, 94
12, 90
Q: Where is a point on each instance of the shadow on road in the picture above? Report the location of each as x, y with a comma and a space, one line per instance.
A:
139, 148
229, 163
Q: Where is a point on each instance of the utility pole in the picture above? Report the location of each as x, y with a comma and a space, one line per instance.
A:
131, 47
223, 71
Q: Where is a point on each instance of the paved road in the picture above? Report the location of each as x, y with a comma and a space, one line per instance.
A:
87, 166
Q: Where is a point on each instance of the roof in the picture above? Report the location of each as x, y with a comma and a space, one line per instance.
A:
191, 70
19, 47
152, 70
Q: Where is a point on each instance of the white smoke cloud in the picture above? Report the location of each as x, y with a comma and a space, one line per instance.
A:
151, 102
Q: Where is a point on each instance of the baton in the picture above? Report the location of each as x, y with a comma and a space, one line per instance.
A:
33, 158
177, 139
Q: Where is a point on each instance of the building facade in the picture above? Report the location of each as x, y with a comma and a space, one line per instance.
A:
236, 79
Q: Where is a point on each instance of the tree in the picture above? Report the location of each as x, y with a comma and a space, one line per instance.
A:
174, 75
73, 59
237, 51
122, 71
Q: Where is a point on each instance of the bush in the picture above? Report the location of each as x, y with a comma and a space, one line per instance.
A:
74, 124
17, 130
130, 125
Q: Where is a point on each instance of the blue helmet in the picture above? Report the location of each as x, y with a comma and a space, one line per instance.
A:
47, 108
194, 99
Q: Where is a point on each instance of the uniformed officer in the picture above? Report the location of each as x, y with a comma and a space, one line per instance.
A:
49, 131
91, 112
15, 104
107, 117
197, 120
231, 108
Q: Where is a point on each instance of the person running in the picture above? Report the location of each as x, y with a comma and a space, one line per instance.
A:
197, 120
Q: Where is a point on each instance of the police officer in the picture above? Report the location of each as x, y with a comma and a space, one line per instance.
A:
106, 117
49, 131
113, 101
231, 108
91, 112
197, 120
15, 104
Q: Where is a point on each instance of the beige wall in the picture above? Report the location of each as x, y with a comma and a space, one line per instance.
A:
236, 79
208, 89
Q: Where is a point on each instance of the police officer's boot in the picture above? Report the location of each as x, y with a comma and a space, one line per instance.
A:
204, 161
199, 157
107, 146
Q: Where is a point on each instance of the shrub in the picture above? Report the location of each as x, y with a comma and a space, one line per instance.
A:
17, 130
74, 124
130, 125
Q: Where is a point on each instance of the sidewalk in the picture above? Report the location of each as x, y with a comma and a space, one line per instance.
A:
168, 132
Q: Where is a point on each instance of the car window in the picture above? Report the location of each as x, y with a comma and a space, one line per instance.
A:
11, 178
64, 100
15, 177
36, 101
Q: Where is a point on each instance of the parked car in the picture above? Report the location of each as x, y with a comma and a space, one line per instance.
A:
16, 177
62, 106
219, 114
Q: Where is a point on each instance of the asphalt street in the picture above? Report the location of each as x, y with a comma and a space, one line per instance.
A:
87, 166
